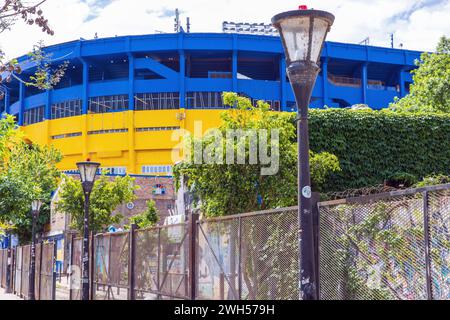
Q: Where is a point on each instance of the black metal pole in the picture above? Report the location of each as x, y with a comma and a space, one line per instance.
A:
31, 290
303, 76
87, 187
9, 265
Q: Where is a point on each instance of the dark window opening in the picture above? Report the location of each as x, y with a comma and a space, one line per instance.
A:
157, 101
66, 109
107, 104
34, 115
204, 100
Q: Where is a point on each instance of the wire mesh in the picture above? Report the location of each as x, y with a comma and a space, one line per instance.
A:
249, 257
111, 258
37, 271
173, 262
217, 265
3, 267
439, 225
373, 251
18, 271
75, 283
146, 264
46, 272
161, 265
26, 255
269, 256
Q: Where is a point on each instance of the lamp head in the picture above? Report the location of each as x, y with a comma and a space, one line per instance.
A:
88, 170
303, 33
36, 205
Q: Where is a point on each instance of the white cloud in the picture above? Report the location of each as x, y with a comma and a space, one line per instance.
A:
417, 24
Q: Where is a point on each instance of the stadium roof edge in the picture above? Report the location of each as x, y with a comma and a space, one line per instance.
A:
63, 45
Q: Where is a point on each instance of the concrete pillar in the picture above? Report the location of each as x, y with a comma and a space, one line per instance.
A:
182, 80
283, 83
131, 82
85, 94
364, 82
402, 83
22, 103
7, 101
326, 100
48, 105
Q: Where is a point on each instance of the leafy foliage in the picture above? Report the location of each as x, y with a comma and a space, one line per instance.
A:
430, 91
148, 218
46, 76
27, 172
433, 180
230, 189
106, 196
372, 146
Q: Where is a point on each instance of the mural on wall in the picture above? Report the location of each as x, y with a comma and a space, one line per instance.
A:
159, 189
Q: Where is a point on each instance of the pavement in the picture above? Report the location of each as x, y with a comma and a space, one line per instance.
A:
5, 296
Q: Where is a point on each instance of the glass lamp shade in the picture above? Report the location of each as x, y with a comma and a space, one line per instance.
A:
36, 205
88, 171
303, 33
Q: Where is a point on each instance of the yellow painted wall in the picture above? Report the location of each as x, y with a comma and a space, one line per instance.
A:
126, 149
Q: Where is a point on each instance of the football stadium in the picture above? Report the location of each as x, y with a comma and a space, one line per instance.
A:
122, 98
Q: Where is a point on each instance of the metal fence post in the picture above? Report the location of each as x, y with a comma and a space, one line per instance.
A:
55, 253
21, 272
426, 226
192, 246
240, 259
316, 230
158, 266
132, 262
72, 238
91, 266
40, 270
9, 268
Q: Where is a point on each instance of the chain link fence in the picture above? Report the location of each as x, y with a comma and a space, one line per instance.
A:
111, 259
3, 267
249, 257
19, 265
392, 246
161, 265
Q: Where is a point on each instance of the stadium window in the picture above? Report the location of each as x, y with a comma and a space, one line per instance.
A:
66, 109
114, 170
157, 101
107, 131
157, 129
204, 100
105, 104
34, 115
164, 169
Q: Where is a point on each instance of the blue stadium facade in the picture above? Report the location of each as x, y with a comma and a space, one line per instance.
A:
190, 70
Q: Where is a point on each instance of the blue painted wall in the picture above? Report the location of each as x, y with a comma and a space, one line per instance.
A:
183, 62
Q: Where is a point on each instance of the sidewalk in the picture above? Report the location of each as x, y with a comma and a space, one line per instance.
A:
4, 296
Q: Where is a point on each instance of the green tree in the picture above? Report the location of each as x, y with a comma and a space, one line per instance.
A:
430, 91
106, 196
27, 172
236, 188
148, 218
45, 75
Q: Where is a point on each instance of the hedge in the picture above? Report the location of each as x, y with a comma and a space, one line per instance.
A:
372, 146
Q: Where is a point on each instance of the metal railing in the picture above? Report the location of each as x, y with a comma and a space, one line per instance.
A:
389, 246
392, 246
18, 267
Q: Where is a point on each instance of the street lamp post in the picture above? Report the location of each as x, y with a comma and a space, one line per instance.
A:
35, 208
88, 171
303, 33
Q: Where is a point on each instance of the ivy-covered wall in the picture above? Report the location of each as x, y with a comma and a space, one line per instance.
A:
374, 145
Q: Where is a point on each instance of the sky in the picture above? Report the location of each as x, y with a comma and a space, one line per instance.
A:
417, 24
